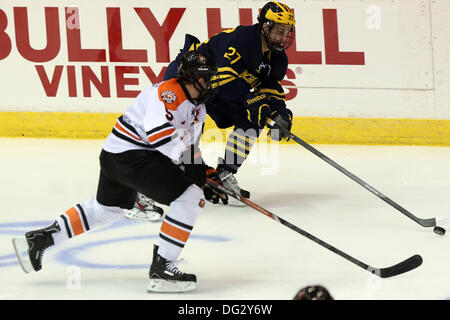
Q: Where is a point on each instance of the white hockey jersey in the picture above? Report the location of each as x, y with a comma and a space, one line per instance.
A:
160, 119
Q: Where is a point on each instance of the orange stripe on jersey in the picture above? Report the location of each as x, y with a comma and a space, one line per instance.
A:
75, 221
171, 94
120, 128
175, 232
161, 134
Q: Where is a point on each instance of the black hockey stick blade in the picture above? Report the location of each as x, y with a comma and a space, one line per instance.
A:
402, 267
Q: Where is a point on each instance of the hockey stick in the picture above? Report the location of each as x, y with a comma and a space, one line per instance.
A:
432, 222
402, 267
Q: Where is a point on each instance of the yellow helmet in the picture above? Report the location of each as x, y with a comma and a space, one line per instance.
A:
277, 12
274, 13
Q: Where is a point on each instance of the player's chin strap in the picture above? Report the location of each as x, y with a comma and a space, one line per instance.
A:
205, 94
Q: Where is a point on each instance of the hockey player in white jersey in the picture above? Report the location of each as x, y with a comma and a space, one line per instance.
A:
153, 150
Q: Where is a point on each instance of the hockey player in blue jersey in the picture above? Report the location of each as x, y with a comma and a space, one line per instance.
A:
251, 64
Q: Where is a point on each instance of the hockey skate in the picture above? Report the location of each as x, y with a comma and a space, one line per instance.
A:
229, 181
166, 277
30, 249
145, 210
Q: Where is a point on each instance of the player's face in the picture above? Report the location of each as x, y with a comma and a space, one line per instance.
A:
281, 35
205, 84
205, 93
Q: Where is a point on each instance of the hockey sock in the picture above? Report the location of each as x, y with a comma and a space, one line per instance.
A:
84, 217
237, 149
179, 222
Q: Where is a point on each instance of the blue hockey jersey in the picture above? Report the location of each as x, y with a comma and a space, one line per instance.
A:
242, 66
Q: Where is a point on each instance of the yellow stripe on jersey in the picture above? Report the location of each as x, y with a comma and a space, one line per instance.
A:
274, 94
229, 30
194, 46
221, 83
270, 96
227, 69
226, 73
217, 78
273, 91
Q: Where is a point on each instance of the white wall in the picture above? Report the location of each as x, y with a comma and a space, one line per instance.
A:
405, 43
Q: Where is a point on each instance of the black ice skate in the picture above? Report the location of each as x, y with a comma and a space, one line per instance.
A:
166, 277
29, 249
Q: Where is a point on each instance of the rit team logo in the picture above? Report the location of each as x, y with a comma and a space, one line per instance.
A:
264, 69
195, 112
168, 96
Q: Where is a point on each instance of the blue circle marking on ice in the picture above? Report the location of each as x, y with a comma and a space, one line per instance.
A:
70, 255
19, 228
39, 223
8, 260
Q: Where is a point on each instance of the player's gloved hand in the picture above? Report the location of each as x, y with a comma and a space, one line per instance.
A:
213, 195
262, 71
257, 109
194, 167
196, 173
282, 119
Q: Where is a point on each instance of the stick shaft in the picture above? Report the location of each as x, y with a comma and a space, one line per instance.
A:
423, 222
273, 216
397, 269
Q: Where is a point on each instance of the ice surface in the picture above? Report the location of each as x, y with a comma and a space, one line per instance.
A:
237, 253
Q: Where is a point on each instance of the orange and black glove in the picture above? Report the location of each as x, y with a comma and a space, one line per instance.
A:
213, 195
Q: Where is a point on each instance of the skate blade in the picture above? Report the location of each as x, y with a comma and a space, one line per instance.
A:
141, 216
160, 285
21, 248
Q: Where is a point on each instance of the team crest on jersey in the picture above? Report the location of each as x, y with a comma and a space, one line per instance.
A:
168, 96
264, 69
